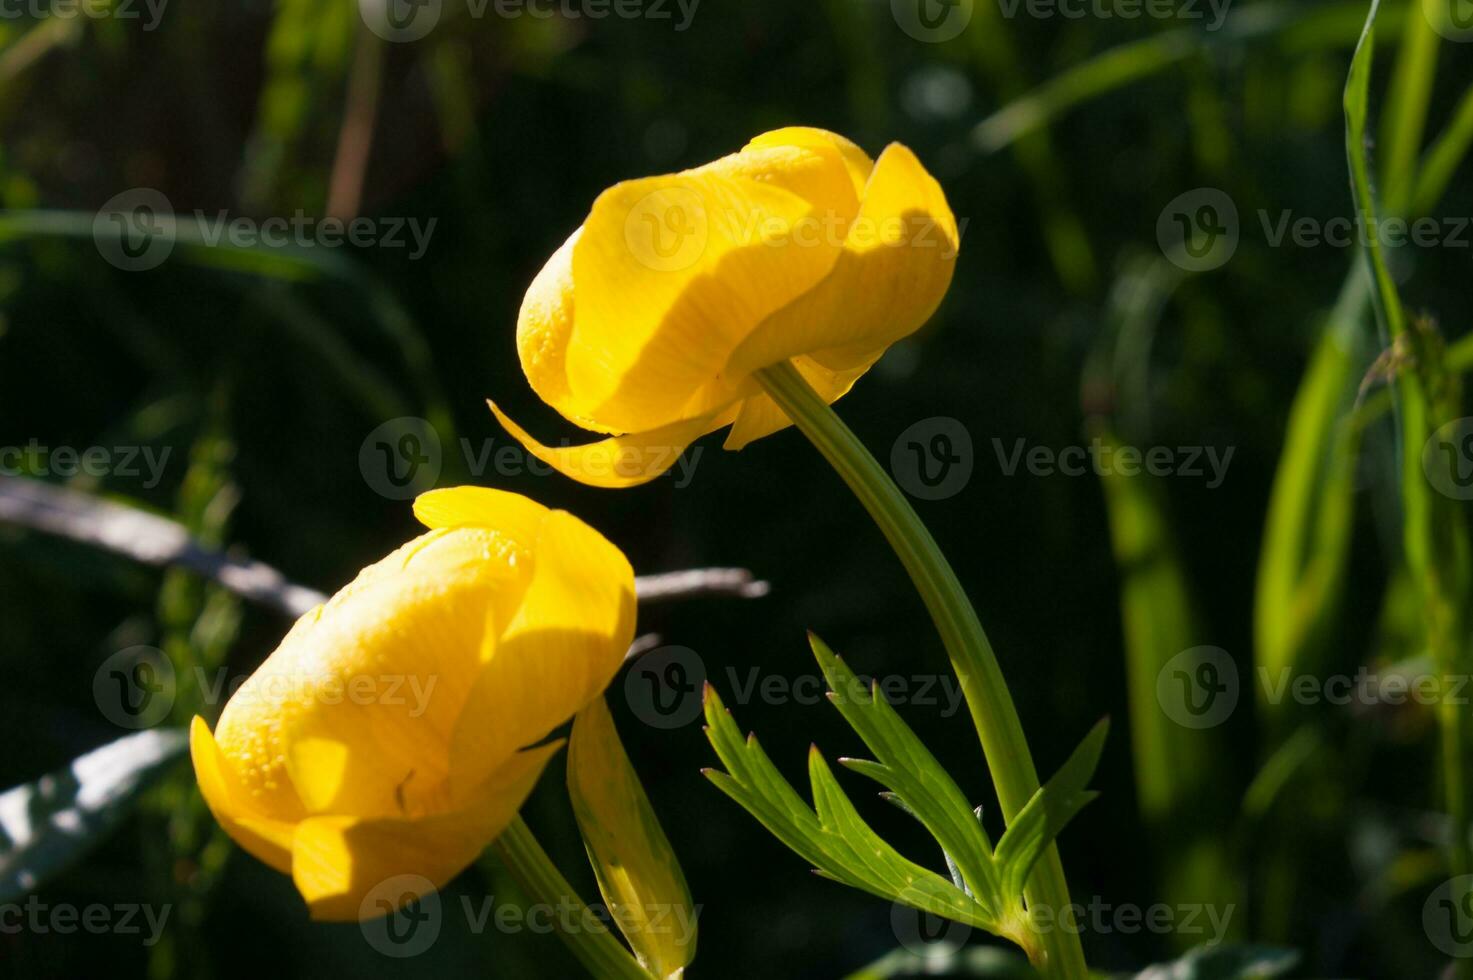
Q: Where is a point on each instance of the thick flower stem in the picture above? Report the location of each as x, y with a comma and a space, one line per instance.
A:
1003, 743
585, 935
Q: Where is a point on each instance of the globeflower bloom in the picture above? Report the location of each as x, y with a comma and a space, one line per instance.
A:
394, 731
648, 324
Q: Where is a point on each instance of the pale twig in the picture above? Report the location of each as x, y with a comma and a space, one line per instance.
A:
156, 540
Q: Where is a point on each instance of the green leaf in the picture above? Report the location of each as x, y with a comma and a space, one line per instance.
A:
912, 774
831, 836
638, 874
50, 823
1051, 808
1225, 963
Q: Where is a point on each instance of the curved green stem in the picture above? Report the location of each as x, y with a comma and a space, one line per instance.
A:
588, 939
1003, 743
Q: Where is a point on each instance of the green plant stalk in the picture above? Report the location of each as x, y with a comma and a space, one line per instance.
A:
594, 946
1001, 732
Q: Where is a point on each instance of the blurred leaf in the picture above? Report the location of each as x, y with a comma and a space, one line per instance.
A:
975, 962
48, 824
637, 871
1225, 963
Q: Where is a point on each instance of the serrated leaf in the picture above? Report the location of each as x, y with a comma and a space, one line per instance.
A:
831, 836
908, 769
1225, 963
50, 823
1050, 809
637, 871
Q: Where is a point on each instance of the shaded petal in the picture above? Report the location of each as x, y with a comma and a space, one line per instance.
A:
671, 274
338, 862
896, 266
268, 839
560, 650
760, 416
620, 461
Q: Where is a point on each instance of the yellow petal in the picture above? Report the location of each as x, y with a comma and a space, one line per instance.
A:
760, 416
560, 650
638, 874
544, 328
270, 840
338, 862
672, 273
856, 161
620, 461
372, 683
518, 517
896, 265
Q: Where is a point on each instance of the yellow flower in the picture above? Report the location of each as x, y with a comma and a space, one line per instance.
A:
388, 734
649, 321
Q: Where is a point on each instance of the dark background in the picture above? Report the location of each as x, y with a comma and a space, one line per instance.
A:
266, 385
